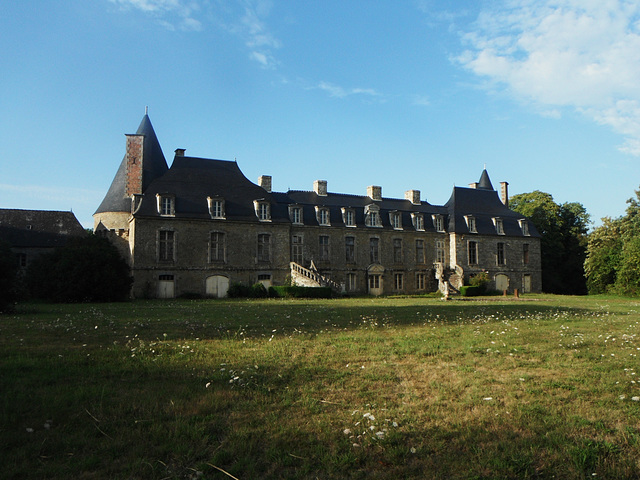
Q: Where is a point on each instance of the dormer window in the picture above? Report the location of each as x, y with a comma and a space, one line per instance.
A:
418, 221
263, 210
396, 220
438, 223
524, 226
295, 214
349, 217
499, 225
216, 207
322, 215
372, 216
166, 205
471, 223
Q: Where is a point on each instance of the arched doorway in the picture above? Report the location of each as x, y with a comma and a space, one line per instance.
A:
217, 286
375, 279
502, 282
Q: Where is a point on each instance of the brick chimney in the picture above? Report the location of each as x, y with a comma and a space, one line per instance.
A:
180, 152
265, 182
504, 193
134, 156
374, 192
320, 187
413, 196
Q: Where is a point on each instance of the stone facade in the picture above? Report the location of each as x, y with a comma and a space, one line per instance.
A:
201, 225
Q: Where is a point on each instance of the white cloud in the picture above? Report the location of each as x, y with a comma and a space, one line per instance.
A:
579, 54
341, 92
171, 14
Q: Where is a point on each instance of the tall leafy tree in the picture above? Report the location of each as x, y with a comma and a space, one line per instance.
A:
8, 276
613, 260
564, 240
86, 269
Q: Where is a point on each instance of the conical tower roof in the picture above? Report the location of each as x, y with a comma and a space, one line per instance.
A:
485, 183
154, 165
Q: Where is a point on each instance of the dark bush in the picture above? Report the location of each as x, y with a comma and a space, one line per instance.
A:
86, 269
241, 290
8, 277
472, 290
295, 291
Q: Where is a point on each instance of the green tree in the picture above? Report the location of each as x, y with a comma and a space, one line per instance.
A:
563, 244
8, 276
613, 259
86, 269
604, 254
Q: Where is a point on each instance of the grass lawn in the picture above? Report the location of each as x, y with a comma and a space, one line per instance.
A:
387, 388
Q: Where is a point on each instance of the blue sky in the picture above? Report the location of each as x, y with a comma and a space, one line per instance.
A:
413, 94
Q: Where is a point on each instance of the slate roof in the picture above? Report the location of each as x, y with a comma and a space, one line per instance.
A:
154, 166
190, 180
38, 228
484, 205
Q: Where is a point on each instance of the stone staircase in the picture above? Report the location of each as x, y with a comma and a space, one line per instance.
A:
310, 277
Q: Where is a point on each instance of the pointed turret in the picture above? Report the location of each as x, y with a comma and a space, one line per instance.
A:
484, 183
143, 162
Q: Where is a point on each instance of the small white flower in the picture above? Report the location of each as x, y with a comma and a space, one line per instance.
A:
622, 397
347, 431
29, 430
380, 434
207, 385
487, 399
413, 450
635, 399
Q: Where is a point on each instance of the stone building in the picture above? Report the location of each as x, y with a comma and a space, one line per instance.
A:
31, 233
201, 225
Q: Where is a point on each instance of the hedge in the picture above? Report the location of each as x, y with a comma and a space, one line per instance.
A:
471, 290
296, 291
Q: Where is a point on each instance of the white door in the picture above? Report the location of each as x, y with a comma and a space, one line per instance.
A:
166, 289
217, 286
375, 284
502, 282
526, 283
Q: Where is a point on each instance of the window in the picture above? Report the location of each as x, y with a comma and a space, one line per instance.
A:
419, 251
352, 284
524, 226
499, 226
349, 217
297, 249
396, 220
374, 281
295, 214
350, 249
372, 216
397, 250
323, 247
421, 281
264, 247
216, 207
473, 252
166, 205
438, 223
440, 257
500, 254
525, 253
217, 247
166, 245
322, 214
398, 281
374, 244
263, 210
418, 221
471, 223
22, 260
